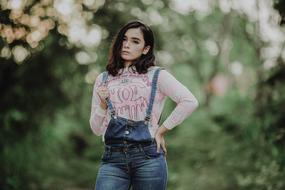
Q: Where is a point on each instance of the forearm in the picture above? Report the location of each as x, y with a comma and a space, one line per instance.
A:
97, 118
180, 113
96, 124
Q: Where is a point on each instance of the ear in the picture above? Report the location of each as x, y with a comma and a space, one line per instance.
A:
145, 50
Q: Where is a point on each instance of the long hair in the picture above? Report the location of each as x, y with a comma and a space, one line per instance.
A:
115, 62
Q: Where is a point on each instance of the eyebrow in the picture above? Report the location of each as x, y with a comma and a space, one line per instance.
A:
134, 38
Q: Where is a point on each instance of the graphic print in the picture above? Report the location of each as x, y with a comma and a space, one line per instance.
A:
130, 94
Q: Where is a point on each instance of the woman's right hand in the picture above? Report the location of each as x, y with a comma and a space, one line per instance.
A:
103, 94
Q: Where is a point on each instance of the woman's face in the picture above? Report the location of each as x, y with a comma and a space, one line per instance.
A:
133, 45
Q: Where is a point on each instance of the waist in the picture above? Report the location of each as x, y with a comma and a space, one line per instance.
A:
122, 146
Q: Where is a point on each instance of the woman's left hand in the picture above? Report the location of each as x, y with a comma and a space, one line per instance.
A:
159, 137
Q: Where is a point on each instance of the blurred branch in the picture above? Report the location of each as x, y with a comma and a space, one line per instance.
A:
224, 29
195, 64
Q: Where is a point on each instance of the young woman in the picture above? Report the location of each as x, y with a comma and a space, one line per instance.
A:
127, 101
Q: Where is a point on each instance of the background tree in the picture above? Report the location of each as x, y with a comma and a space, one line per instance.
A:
229, 53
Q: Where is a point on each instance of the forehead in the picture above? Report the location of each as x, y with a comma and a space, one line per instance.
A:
134, 33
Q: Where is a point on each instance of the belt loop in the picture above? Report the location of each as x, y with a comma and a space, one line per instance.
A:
140, 147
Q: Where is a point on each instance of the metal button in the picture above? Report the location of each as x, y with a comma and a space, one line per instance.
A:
127, 132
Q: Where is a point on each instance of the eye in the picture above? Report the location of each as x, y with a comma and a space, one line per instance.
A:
136, 42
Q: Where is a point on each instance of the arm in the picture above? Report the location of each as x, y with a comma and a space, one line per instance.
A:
186, 101
98, 110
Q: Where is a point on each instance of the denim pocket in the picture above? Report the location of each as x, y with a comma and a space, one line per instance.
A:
150, 152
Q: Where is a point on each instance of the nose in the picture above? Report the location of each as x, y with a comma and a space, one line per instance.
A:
126, 44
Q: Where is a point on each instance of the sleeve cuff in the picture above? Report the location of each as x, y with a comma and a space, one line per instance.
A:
100, 111
167, 124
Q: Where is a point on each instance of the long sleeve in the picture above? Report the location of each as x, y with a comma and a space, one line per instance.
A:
186, 101
97, 113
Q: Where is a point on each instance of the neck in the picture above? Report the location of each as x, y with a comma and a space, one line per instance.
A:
127, 64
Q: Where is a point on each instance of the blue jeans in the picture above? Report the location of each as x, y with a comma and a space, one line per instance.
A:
140, 167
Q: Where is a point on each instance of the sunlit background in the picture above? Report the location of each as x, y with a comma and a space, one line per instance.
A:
229, 53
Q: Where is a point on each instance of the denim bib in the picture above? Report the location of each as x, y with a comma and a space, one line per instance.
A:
121, 129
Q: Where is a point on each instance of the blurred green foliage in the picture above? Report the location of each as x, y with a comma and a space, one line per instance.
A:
235, 139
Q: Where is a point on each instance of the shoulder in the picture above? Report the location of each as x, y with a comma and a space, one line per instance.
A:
102, 76
162, 70
152, 69
162, 75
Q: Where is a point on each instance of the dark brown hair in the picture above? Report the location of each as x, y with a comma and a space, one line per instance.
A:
115, 62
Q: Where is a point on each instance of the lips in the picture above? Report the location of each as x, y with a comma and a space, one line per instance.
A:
125, 52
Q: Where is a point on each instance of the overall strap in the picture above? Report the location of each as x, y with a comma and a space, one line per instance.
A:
109, 103
152, 95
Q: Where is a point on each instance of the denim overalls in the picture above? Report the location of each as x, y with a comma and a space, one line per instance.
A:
130, 157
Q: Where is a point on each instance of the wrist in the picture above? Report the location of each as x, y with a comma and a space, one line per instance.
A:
162, 130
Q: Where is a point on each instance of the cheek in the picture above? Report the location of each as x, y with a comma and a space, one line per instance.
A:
138, 49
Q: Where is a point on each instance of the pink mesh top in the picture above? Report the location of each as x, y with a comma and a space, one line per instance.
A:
130, 94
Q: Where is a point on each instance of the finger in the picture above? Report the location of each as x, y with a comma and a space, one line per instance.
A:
102, 89
103, 94
164, 148
100, 93
157, 146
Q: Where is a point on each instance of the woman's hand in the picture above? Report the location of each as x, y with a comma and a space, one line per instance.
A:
159, 137
103, 94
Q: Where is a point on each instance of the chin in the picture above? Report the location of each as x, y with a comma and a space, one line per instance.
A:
127, 58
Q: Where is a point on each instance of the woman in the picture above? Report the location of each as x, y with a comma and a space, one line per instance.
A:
127, 102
